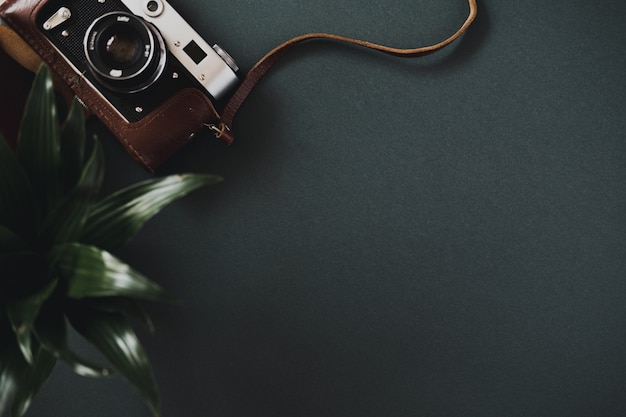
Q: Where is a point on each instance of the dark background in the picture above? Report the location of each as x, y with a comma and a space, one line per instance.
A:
436, 237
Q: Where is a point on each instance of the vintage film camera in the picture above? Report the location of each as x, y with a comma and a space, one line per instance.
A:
137, 64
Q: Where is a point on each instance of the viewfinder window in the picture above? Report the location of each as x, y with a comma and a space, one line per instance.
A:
195, 52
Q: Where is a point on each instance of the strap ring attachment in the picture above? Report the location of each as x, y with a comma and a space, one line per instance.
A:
217, 129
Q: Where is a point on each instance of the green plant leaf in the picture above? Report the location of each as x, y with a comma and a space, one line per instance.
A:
51, 331
66, 221
127, 306
31, 381
15, 266
113, 336
73, 145
10, 242
38, 148
22, 314
91, 272
11, 367
85, 368
117, 218
17, 200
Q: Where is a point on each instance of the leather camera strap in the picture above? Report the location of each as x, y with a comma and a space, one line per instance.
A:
223, 130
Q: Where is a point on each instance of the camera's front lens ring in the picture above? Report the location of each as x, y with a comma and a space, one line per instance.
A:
124, 52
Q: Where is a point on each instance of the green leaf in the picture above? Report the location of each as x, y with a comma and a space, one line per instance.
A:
15, 266
85, 368
73, 145
91, 272
11, 367
10, 242
22, 314
19, 382
127, 306
51, 331
117, 218
66, 221
31, 382
113, 336
17, 200
38, 147
23, 273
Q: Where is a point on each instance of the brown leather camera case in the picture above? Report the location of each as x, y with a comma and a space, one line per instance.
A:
150, 141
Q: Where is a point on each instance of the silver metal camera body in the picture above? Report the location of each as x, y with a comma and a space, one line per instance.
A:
211, 66
136, 53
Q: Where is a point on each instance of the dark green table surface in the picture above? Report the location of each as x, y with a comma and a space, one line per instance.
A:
435, 237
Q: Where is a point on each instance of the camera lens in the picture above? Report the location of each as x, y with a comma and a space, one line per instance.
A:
122, 47
124, 52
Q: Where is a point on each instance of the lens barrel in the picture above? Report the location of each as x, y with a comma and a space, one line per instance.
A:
124, 52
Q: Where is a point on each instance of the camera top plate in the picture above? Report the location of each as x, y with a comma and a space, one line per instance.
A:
199, 58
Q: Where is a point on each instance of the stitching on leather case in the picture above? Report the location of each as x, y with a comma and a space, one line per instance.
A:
50, 56
118, 126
